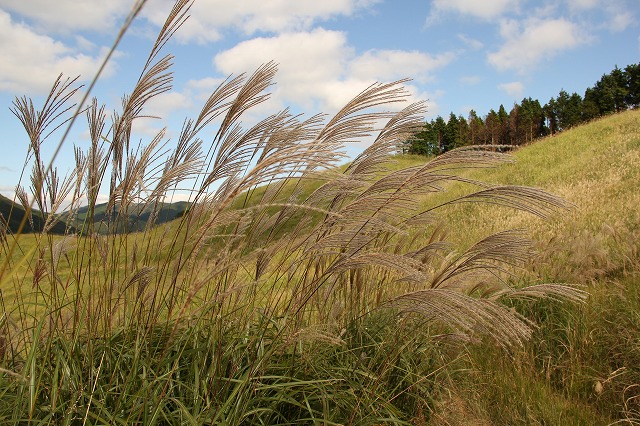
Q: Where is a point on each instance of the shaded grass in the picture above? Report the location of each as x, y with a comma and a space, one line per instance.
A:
373, 372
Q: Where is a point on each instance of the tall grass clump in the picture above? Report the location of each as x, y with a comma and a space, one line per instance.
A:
293, 290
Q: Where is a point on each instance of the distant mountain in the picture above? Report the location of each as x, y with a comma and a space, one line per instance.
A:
13, 213
136, 218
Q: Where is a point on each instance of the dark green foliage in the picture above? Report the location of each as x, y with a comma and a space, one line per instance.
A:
632, 73
568, 110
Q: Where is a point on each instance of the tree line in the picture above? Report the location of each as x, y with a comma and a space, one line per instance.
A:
528, 120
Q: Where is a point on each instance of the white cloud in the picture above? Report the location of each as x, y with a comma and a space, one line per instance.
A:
209, 18
71, 15
582, 4
166, 103
527, 45
620, 21
36, 59
487, 9
470, 42
614, 15
208, 21
395, 64
319, 71
311, 64
201, 89
514, 89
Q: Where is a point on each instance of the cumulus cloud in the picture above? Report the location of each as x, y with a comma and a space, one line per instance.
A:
32, 60
210, 18
208, 21
471, 43
395, 64
529, 43
620, 21
318, 70
487, 9
514, 89
309, 62
70, 15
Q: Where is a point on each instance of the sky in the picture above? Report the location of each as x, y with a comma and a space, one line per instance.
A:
460, 55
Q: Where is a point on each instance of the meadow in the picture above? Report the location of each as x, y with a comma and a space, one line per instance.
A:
298, 289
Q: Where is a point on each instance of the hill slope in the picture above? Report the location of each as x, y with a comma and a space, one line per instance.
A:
136, 219
581, 367
13, 214
596, 167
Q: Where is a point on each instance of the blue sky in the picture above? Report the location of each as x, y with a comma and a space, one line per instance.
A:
461, 54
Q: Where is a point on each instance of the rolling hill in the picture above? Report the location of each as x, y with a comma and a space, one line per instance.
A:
13, 214
136, 219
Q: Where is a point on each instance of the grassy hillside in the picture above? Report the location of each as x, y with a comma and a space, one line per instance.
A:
13, 214
594, 167
582, 364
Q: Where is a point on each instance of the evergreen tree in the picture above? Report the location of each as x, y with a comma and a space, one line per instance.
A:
621, 90
611, 92
424, 142
464, 131
515, 125
439, 131
476, 129
493, 128
568, 110
452, 138
590, 108
527, 121
503, 119
550, 116
532, 119
632, 74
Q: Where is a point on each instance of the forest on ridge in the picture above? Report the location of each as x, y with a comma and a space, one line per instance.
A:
528, 120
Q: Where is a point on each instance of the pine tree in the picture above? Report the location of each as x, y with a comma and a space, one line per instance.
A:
476, 129
568, 110
503, 119
632, 74
452, 138
493, 127
439, 130
532, 118
550, 116
515, 125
